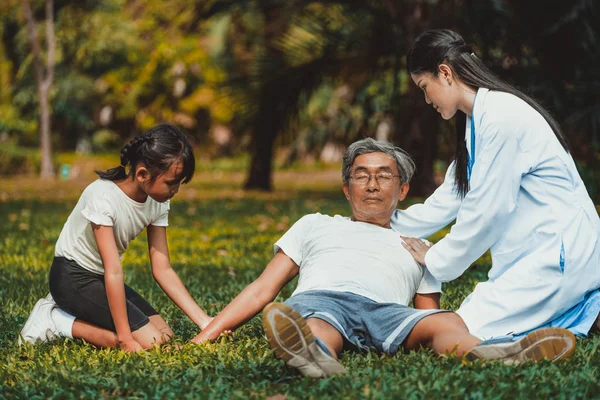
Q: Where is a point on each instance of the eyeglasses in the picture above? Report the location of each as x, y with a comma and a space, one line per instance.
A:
382, 178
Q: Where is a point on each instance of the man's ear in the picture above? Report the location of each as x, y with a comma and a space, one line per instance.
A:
346, 190
404, 188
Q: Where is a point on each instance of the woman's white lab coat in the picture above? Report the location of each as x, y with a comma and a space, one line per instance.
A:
529, 206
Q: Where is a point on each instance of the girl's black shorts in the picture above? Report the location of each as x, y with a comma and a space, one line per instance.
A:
82, 294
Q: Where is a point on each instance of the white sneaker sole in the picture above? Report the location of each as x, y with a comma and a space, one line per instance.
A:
292, 340
33, 331
547, 343
30, 324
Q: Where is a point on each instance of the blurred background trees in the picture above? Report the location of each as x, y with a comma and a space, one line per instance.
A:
309, 77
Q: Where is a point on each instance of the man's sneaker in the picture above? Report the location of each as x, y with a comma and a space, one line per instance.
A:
546, 343
39, 327
291, 338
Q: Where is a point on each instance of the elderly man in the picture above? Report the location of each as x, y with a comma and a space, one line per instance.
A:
356, 281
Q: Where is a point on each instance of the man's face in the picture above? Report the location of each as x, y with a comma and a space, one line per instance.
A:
374, 201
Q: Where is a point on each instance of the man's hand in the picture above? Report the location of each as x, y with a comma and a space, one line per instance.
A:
200, 338
417, 248
226, 332
204, 336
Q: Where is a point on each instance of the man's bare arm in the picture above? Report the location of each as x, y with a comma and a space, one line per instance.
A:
253, 298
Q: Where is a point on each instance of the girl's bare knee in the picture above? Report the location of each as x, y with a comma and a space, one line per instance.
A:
148, 336
162, 326
148, 343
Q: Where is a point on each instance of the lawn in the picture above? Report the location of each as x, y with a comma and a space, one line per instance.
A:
220, 239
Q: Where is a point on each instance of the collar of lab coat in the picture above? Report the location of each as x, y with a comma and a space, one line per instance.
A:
478, 109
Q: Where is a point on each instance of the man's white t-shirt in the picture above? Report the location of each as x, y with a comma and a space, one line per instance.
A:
104, 203
338, 254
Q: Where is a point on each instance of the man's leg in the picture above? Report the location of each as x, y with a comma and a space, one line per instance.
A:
327, 334
291, 337
443, 333
446, 333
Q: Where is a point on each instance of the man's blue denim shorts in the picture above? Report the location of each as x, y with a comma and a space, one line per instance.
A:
362, 322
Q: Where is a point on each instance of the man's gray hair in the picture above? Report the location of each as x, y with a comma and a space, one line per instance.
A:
405, 164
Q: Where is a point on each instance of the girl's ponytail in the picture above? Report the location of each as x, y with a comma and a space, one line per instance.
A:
156, 149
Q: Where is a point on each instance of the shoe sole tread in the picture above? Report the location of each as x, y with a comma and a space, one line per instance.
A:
296, 345
548, 343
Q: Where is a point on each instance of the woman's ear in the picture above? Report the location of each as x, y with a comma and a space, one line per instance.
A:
445, 73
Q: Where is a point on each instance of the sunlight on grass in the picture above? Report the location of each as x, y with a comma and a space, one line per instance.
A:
220, 240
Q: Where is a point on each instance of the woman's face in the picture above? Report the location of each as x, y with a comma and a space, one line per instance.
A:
439, 91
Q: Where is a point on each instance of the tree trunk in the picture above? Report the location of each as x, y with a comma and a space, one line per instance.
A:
264, 132
418, 125
43, 82
270, 117
259, 177
47, 169
421, 141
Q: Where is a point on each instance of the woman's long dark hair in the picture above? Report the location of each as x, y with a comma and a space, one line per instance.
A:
157, 149
443, 46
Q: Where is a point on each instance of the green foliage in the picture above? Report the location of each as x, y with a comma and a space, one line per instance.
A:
526, 43
18, 160
342, 113
274, 67
218, 247
11, 121
145, 61
105, 139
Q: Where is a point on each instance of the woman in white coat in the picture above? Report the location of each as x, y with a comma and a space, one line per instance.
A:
513, 189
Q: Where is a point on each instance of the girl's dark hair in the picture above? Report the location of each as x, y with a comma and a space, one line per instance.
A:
443, 46
156, 149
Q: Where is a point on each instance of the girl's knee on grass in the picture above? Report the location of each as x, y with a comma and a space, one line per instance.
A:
162, 326
149, 336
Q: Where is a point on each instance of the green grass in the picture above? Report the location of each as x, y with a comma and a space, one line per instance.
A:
219, 243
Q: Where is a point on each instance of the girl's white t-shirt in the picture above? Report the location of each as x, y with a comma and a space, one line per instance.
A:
104, 203
338, 254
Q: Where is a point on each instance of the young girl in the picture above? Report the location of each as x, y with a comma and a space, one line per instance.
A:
513, 188
86, 277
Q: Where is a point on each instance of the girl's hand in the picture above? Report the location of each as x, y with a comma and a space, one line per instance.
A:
208, 321
130, 345
417, 248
